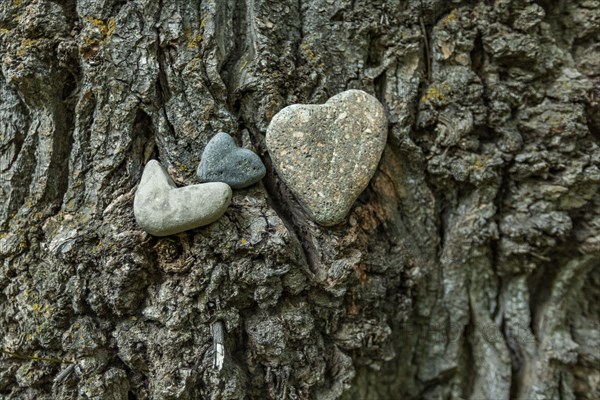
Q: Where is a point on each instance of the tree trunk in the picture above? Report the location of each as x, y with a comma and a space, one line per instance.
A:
468, 269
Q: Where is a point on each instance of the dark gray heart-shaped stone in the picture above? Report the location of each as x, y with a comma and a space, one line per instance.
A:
223, 161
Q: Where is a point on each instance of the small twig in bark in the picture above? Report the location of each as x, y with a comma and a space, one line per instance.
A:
218, 332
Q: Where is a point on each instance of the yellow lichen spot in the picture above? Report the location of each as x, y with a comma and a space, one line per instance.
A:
308, 52
98, 23
48, 311
182, 167
90, 41
105, 27
25, 44
244, 242
436, 93
453, 16
111, 26
478, 165
195, 40
195, 61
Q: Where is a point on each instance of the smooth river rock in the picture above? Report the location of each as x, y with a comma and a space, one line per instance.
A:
327, 154
162, 209
223, 161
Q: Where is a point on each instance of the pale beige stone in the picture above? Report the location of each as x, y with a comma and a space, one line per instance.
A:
162, 209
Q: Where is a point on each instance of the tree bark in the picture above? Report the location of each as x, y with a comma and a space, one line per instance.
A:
468, 269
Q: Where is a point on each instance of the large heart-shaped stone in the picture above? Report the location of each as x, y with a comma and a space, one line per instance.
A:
162, 209
326, 154
223, 161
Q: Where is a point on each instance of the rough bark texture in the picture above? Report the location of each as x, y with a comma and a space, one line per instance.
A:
468, 269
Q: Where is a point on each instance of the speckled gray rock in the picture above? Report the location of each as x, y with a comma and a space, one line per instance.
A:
326, 154
162, 209
223, 161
